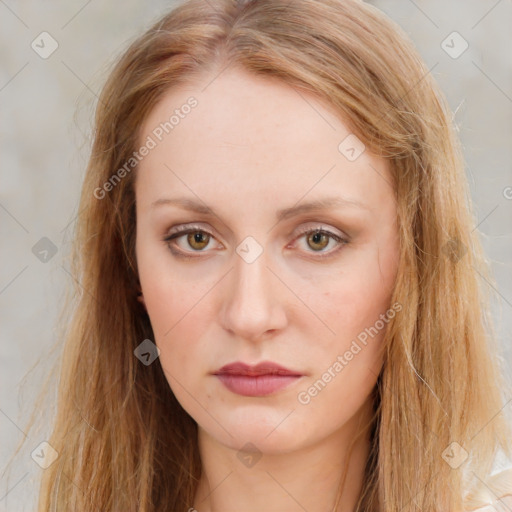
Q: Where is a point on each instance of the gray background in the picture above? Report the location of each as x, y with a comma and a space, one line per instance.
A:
46, 109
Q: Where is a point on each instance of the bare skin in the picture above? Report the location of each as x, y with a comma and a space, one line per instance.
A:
249, 148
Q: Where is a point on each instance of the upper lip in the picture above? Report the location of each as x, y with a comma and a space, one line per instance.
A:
263, 368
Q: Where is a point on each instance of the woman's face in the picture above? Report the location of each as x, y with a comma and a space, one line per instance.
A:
253, 282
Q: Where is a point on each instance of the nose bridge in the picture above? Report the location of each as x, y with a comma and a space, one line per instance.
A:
251, 307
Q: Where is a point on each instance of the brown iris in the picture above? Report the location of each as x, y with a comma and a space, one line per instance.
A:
317, 237
198, 237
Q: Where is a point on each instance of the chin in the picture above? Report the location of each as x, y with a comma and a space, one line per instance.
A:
259, 431
260, 443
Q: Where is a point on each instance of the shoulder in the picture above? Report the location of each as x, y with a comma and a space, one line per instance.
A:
493, 495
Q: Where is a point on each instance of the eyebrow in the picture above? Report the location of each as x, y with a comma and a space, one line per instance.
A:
319, 204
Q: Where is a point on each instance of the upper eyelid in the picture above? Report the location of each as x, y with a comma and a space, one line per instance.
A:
319, 227
312, 226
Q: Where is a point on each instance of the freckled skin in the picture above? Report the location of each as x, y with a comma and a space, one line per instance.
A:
249, 148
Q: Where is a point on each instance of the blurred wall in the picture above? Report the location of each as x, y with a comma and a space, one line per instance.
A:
53, 60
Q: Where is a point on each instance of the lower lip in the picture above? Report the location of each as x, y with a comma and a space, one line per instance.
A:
260, 385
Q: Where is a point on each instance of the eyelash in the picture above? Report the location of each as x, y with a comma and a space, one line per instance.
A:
185, 230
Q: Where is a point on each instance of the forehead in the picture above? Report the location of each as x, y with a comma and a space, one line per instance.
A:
252, 136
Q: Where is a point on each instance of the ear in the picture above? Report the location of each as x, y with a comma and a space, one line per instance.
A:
140, 296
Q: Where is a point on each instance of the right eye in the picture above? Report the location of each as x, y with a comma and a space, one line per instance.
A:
195, 237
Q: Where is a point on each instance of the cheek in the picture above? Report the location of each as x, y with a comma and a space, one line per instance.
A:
167, 296
347, 364
161, 305
178, 318
355, 301
357, 307
366, 287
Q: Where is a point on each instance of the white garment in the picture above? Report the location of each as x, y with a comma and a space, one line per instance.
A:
493, 495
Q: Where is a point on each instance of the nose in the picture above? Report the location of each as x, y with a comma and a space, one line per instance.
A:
252, 307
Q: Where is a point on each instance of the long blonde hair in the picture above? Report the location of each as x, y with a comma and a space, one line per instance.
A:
124, 441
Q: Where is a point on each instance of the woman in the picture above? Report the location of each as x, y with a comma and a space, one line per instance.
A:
279, 303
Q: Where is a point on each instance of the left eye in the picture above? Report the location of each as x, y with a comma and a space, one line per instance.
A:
198, 239
318, 239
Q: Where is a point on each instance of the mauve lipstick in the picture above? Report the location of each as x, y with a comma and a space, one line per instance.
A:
262, 379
